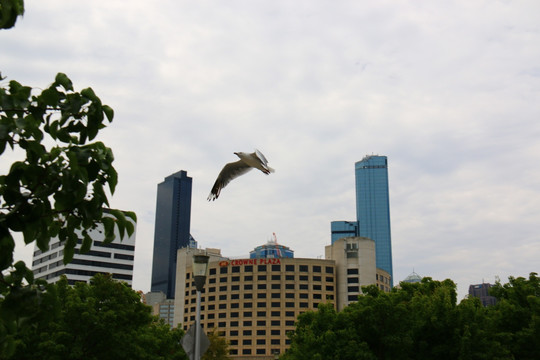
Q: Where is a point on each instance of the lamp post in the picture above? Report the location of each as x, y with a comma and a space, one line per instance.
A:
200, 269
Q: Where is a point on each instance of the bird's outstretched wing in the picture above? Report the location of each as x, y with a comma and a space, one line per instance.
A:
260, 155
229, 172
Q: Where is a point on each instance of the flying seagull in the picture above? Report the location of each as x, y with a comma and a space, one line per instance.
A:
235, 169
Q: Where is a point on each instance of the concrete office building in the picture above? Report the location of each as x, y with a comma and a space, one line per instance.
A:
254, 302
172, 230
161, 306
115, 258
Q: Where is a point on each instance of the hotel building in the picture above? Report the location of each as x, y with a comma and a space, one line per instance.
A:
254, 302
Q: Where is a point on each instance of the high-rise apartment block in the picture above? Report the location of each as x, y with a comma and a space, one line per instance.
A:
172, 230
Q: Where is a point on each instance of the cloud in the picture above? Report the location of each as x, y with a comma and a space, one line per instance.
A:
449, 92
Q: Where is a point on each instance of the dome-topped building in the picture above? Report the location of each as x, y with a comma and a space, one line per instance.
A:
271, 250
413, 278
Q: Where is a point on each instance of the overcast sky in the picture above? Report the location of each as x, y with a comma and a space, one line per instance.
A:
448, 90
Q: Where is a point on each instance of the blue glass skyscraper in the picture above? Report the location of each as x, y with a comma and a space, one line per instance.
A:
373, 207
172, 229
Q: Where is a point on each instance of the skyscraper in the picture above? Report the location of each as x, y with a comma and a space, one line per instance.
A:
172, 230
373, 207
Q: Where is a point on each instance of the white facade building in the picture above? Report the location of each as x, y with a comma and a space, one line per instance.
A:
115, 258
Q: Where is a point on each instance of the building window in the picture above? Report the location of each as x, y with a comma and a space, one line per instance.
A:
276, 267
316, 268
289, 268
275, 313
329, 270
212, 280
353, 280
329, 287
289, 304
235, 314
289, 323
276, 277
289, 295
233, 342
248, 296
223, 297
289, 313
303, 268
222, 315
235, 278
303, 286
261, 296
303, 304
223, 279
261, 267
261, 286
275, 332
329, 279
353, 298
261, 313
246, 332
353, 289
316, 278
248, 268
352, 271
246, 342
212, 271
248, 286
223, 288
248, 278
317, 287
235, 269
246, 351
304, 278
289, 286
261, 332
261, 304
235, 287
248, 305
248, 314
276, 304
261, 341
289, 277
234, 323
276, 295
234, 332
304, 296
274, 341
261, 351
261, 322
222, 324
275, 323
276, 286
261, 277
317, 296
223, 270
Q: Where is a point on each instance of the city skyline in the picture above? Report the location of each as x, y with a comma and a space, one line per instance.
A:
448, 91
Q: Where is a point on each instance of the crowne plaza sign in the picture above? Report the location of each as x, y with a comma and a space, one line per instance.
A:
238, 262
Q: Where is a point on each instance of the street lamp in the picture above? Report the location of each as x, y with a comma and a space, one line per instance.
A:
200, 269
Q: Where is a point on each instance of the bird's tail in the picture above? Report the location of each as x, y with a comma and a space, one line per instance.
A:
269, 170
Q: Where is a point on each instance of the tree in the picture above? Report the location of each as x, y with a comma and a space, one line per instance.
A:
101, 320
9, 11
218, 349
424, 321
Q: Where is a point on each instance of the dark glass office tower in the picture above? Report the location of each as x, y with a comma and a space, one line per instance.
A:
341, 229
173, 215
373, 207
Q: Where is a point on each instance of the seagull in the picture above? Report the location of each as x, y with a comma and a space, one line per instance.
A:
235, 169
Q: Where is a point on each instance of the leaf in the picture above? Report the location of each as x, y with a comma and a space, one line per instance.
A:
109, 112
62, 80
86, 244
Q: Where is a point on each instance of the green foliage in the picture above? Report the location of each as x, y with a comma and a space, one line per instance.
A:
101, 320
9, 11
218, 349
59, 188
424, 321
